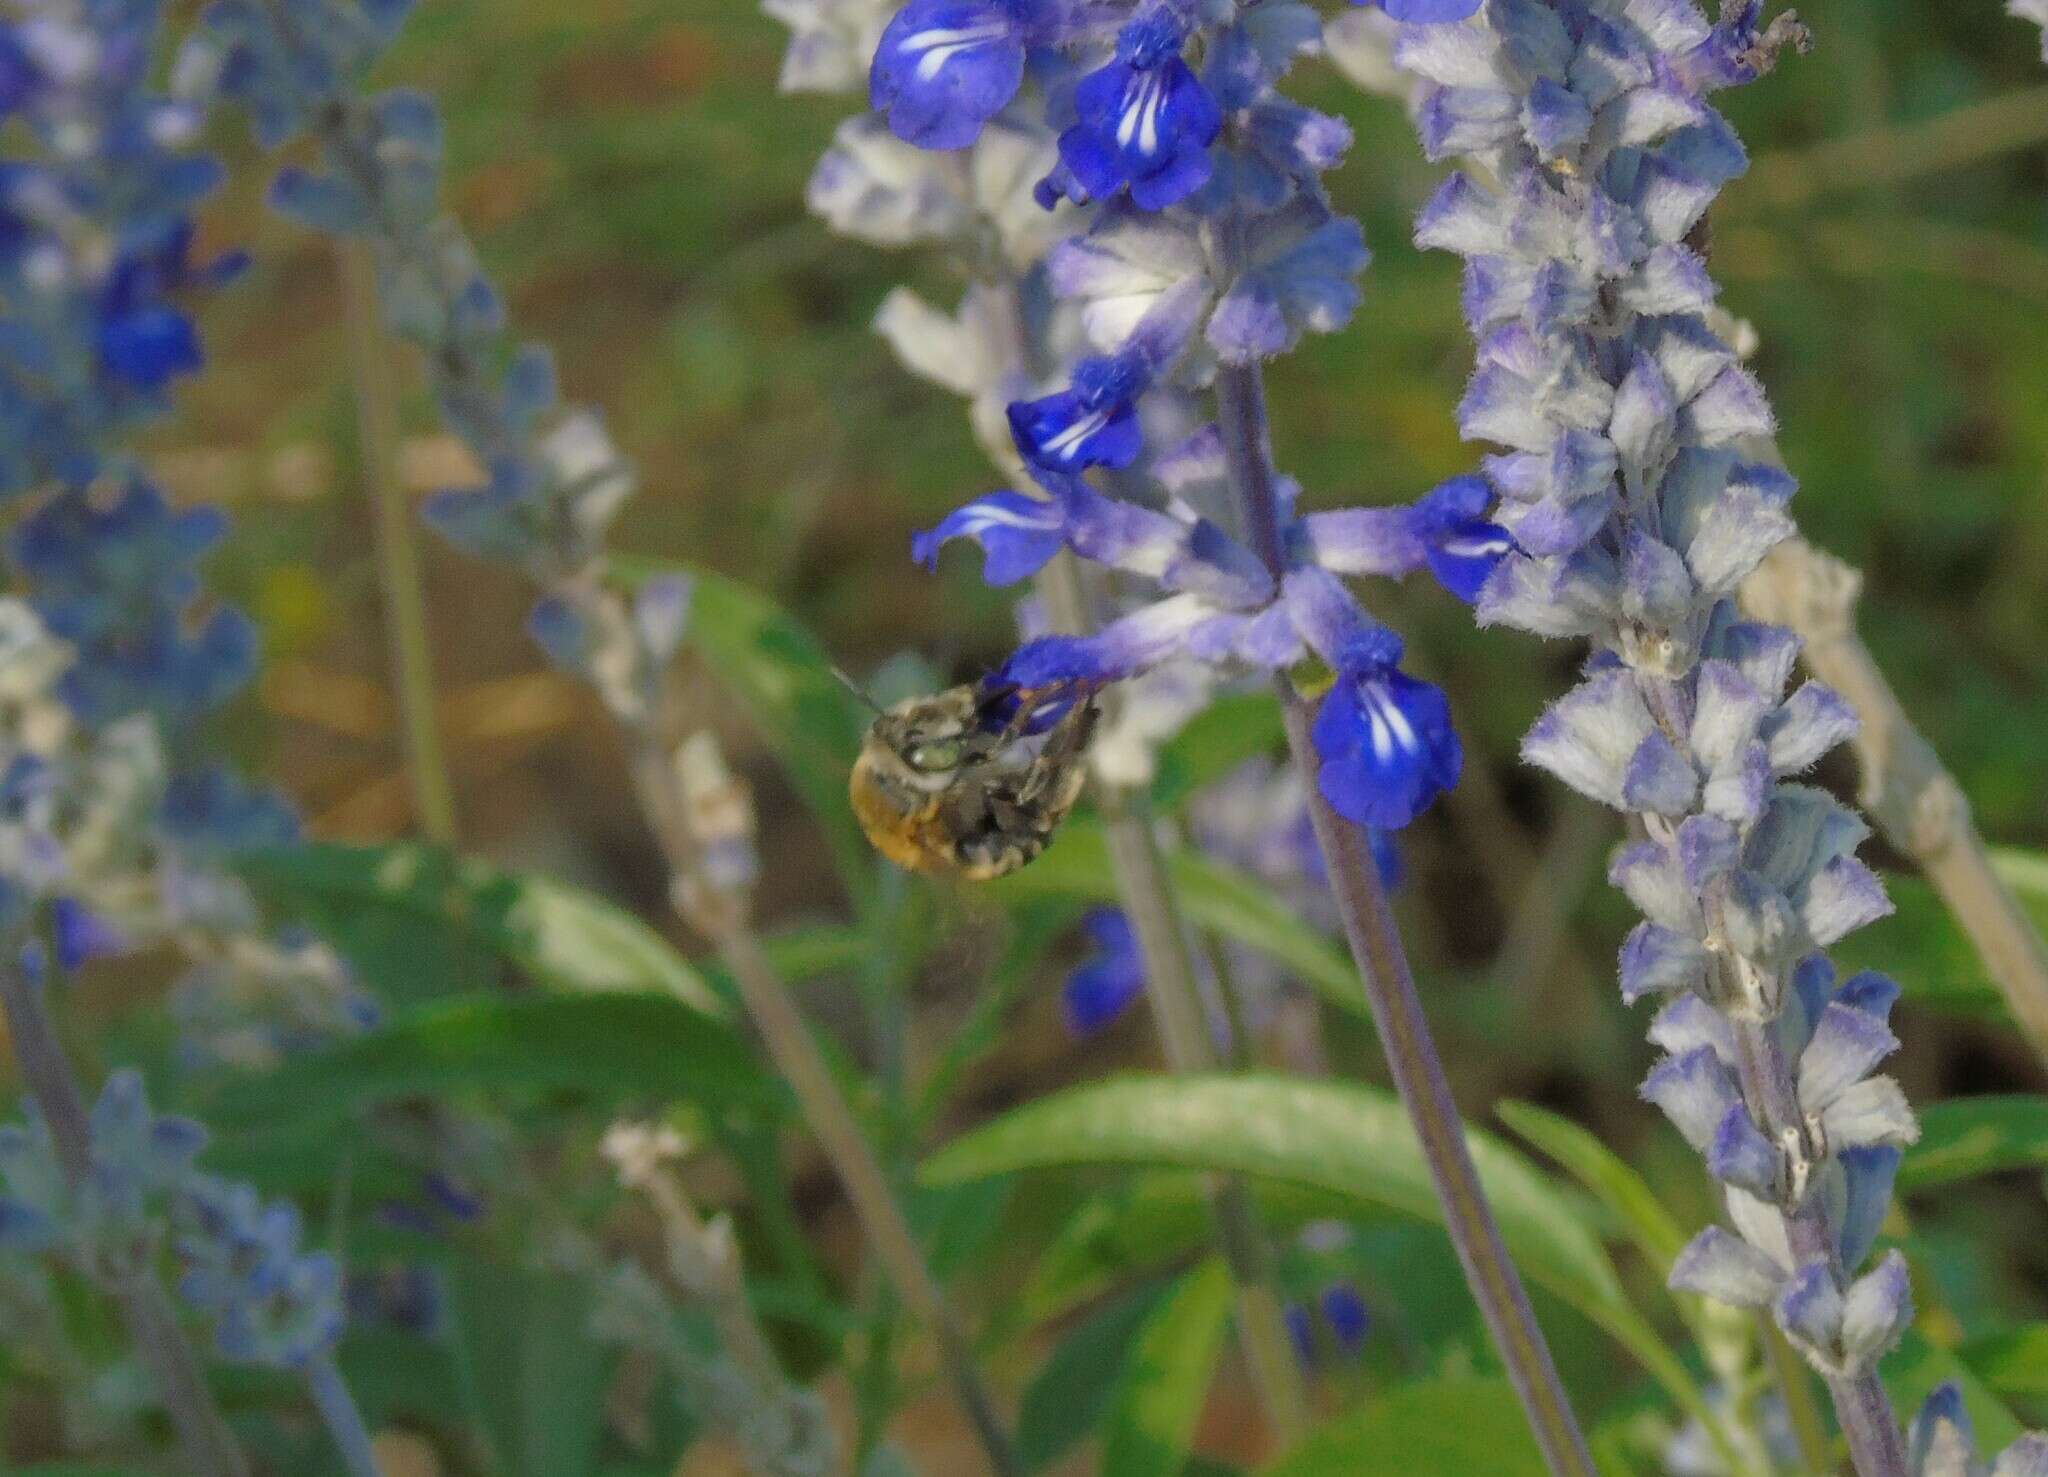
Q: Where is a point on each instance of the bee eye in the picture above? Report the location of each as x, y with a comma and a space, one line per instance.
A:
932, 757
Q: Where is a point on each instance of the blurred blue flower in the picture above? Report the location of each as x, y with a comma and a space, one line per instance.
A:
1103, 986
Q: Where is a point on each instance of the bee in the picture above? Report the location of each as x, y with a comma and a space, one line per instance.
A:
940, 787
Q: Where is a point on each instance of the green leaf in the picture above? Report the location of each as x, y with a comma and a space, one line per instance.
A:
1654, 1230
1071, 1392
2013, 1363
1139, 1228
531, 1374
783, 678
402, 911
1342, 1137
610, 1046
1213, 896
1967, 1137
1439, 1428
1916, 1368
1216, 741
1165, 1382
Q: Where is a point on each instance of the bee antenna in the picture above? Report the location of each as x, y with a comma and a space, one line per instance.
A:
856, 689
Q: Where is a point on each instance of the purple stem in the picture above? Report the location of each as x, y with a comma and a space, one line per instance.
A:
1390, 991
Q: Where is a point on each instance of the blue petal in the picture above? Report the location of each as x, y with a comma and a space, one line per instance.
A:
1103, 986
1387, 747
1349, 1319
1018, 534
1428, 12
944, 68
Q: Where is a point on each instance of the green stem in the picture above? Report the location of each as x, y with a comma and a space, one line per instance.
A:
398, 560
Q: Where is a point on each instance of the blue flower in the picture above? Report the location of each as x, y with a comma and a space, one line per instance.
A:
1463, 547
81, 935
1345, 1320
945, 67
1092, 423
1017, 533
1385, 738
1146, 122
1103, 986
148, 347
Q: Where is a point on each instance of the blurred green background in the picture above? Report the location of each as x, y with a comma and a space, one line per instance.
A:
635, 181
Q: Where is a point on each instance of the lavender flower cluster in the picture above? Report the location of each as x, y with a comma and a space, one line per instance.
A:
1140, 205
271, 1302
114, 653
1633, 484
551, 479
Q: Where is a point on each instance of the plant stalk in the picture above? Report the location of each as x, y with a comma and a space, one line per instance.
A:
1390, 991
829, 1116
1916, 803
398, 559
342, 1417
1146, 894
207, 1445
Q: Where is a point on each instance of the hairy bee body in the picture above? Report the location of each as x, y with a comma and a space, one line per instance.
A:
936, 793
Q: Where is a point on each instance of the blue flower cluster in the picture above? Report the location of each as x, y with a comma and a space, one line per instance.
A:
1184, 227
1636, 502
115, 653
552, 480
272, 1303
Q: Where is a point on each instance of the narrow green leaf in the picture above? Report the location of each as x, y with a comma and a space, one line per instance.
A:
1967, 1137
1914, 1370
1213, 896
390, 904
1624, 1192
1071, 1392
1158, 1219
783, 678
1342, 1137
607, 1045
531, 1373
1165, 1383
1438, 1428
2014, 1363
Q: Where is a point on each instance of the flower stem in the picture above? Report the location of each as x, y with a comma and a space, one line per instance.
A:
203, 1436
343, 1419
1147, 898
1390, 990
398, 560
830, 1117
